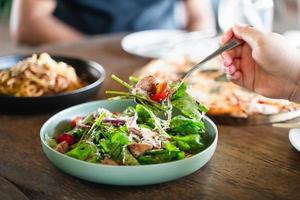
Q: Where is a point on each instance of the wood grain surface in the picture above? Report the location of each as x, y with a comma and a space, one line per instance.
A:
251, 162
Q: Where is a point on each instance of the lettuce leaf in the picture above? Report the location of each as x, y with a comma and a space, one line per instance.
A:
160, 156
189, 142
184, 126
83, 151
187, 104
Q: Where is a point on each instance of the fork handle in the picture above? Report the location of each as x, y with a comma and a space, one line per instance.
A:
230, 45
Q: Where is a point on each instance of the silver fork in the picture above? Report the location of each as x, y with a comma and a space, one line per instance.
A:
230, 45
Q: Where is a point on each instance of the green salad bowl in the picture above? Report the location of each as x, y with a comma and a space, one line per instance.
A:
121, 175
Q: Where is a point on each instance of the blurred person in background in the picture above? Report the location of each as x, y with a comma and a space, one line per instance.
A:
37, 22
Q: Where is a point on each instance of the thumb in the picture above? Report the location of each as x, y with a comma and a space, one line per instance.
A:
247, 33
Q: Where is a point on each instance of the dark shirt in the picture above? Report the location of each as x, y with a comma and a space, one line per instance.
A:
103, 16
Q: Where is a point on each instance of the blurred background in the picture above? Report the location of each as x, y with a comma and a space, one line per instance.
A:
278, 15
5, 7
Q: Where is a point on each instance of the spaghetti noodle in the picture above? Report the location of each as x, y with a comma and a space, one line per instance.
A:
37, 76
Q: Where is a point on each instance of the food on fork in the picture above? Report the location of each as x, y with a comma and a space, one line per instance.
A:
210, 86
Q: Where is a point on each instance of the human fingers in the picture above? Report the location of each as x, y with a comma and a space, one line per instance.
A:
227, 59
233, 67
243, 63
236, 78
247, 33
230, 70
230, 56
233, 53
227, 36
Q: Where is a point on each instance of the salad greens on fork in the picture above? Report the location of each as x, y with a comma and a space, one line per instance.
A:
148, 133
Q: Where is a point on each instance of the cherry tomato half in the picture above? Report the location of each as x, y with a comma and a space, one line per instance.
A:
162, 92
70, 139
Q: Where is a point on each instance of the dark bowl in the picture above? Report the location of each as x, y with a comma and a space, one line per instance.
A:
87, 70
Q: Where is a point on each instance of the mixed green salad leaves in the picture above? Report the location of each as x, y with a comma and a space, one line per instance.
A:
147, 133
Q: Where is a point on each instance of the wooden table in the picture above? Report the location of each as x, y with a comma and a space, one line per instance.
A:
251, 162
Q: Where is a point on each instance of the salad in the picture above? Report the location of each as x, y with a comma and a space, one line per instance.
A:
166, 124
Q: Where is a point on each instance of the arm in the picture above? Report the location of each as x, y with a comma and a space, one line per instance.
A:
32, 23
199, 15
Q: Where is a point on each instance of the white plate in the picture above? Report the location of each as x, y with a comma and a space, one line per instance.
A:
294, 137
169, 43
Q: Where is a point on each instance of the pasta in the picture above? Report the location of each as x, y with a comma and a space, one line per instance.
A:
37, 76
